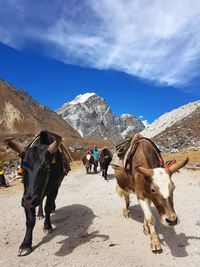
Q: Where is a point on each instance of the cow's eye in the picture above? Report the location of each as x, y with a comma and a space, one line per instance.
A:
153, 190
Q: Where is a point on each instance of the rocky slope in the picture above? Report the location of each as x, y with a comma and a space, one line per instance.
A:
20, 114
92, 117
22, 117
177, 130
128, 124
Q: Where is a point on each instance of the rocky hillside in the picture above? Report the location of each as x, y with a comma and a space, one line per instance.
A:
22, 117
20, 114
128, 124
92, 117
177, 130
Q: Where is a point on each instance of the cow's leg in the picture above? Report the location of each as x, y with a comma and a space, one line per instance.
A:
40, 214
53, 207
26, 246
149, 228
90, 168
124, 194
48, 209
127, 201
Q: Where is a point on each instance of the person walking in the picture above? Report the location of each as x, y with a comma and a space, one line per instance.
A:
95, 153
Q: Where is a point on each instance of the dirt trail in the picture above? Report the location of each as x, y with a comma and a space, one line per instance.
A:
90, 230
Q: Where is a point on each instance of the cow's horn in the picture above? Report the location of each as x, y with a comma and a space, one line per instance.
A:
144, 171
19, 148
178, 166
55, 145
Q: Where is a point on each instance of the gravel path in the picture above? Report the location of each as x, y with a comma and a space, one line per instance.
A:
90, 230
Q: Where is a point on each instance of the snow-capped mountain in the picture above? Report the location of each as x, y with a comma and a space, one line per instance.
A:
177, 129
91, 116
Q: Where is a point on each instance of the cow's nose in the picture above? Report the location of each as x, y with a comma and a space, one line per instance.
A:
172, 222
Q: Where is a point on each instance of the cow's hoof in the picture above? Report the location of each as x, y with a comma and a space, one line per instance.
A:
24, 251
155, 244
48, 231
157, 251
125, 213
40, 217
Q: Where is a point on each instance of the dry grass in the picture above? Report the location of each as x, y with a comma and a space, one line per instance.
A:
194, 156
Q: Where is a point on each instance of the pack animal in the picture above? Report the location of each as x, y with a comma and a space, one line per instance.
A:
145, 176
43, 173
105, 158
88, 161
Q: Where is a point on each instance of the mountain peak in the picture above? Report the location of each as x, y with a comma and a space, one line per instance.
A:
82, 98
126, 116
91, 116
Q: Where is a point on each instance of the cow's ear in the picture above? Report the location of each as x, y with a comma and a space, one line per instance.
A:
144, 171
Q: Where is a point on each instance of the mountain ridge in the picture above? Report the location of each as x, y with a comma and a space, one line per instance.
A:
178, 129
91, 116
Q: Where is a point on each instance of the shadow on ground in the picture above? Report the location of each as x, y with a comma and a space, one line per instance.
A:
177, 243
72, 222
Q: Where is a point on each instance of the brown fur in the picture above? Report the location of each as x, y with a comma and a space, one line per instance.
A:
145, 156
148, 156
88, 163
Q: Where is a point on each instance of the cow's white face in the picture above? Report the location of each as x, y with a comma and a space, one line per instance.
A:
162, 181
88, 157
162, 189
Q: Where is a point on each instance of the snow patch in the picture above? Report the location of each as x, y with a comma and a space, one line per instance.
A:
126, 116
146, 123
80, 132
82, 98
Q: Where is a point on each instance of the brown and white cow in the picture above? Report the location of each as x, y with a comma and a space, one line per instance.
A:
88, 161
151, 184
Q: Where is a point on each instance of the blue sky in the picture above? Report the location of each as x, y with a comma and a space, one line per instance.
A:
142, 59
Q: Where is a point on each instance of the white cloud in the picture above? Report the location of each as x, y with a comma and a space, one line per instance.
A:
156, 40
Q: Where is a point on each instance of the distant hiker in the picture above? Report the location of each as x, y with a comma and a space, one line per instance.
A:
95, 153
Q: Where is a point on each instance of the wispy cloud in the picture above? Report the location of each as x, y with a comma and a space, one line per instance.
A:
156, 40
